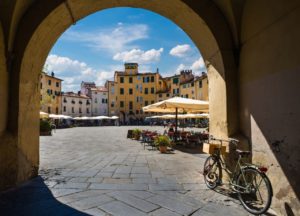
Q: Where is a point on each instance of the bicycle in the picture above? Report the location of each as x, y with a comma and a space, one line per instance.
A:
249, 181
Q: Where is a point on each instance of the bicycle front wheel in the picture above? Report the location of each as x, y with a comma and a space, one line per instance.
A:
255, 190
212, 172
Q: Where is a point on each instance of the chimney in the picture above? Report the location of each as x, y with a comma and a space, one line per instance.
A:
157, 70
52, 74
79, 93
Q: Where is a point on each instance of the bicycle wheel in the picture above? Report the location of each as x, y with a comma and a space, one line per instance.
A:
212, 172
256, 192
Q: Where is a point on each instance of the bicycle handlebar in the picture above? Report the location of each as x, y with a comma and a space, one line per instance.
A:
230, 140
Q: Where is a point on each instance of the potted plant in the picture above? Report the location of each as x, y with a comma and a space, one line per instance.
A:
45, 127
162, 142
136, 134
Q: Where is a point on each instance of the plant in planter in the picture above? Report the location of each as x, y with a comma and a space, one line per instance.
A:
136, 134
162, 142
45, 127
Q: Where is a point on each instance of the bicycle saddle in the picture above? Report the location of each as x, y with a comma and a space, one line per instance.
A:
243, 153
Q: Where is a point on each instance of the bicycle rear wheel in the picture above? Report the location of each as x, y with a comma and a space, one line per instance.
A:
256, 192
212, 172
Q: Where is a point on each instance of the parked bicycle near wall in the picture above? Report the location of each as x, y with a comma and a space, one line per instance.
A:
248, 180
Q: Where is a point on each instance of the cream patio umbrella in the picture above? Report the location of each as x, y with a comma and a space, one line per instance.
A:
43, 115
178, 104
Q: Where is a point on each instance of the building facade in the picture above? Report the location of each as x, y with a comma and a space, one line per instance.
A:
99, 98
50, 93
76, 105
131, 91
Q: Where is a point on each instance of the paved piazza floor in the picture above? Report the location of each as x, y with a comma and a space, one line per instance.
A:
98, 171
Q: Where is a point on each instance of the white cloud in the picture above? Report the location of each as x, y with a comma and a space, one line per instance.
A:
140, 56
181, 67
181, 50
73, 72
111, 39
198, 65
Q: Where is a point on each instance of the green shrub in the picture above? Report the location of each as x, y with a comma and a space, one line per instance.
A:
136, 132
45, 125
162, 140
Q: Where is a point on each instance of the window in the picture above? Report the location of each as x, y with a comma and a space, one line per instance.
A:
186, 96
137, 99
41, 85
103, 100
146, 103
65, 109
184, 85
175, 80
141, 99
57, 84
121, 103
137, 87
112, 104
192, 91
121, 91
192, 84
88, 102
130, 105
65, 100
152, 79
152, 102
96, 101
141, 88
41, 97
130, 91
159, 82
106, 101
121, 79
80, 110
49, 109
137, 111
200, 83
139, 77
87, 110
152, 90
130, 79
160, 95
144, 79
146, 90
73, 102
148, 79
72, 109
80, 102
168, 95
49, 82
174, 91
112, 90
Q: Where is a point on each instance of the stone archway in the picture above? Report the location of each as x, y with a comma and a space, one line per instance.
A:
42, 25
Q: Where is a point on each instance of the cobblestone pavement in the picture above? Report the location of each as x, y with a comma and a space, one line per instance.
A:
97, 171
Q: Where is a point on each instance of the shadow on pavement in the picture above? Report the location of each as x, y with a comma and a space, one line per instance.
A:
33, 198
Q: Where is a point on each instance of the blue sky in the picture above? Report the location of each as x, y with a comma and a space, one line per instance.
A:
99, 44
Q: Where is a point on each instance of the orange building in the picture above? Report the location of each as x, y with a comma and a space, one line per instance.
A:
50, 90
131, 91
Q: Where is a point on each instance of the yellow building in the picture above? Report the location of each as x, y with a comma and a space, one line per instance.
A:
201, 87
131, 91
50, 93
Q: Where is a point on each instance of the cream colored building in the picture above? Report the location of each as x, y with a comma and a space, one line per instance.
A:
50, 93
76, 105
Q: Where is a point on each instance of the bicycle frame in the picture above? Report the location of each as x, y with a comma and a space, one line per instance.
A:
232, 175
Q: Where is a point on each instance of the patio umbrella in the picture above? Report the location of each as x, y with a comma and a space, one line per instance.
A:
178, 104
44, 115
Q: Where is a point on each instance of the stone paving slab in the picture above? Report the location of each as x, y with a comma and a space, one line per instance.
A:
98, 171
